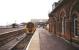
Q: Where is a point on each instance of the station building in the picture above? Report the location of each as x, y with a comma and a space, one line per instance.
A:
64, 19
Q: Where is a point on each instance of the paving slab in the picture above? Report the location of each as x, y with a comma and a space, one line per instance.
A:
51, 42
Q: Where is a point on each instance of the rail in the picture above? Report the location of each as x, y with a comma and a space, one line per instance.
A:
12, 30
7, 37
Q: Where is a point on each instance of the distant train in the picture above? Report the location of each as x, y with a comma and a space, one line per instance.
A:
30, 28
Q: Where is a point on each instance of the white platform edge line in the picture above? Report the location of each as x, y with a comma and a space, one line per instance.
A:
30, 42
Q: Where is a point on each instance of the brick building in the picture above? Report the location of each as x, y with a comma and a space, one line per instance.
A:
64, 19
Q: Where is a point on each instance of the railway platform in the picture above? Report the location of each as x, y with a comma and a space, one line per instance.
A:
43, 40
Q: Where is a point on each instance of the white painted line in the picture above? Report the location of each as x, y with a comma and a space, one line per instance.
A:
34, 42
29, 43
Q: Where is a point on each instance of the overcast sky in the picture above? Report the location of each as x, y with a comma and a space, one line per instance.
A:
24, 10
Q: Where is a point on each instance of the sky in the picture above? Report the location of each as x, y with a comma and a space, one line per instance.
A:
19, 11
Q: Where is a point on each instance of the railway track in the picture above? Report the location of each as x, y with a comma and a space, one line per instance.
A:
15, 39
9, 39
23, 43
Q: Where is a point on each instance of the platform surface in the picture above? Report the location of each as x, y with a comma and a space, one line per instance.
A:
43, 40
